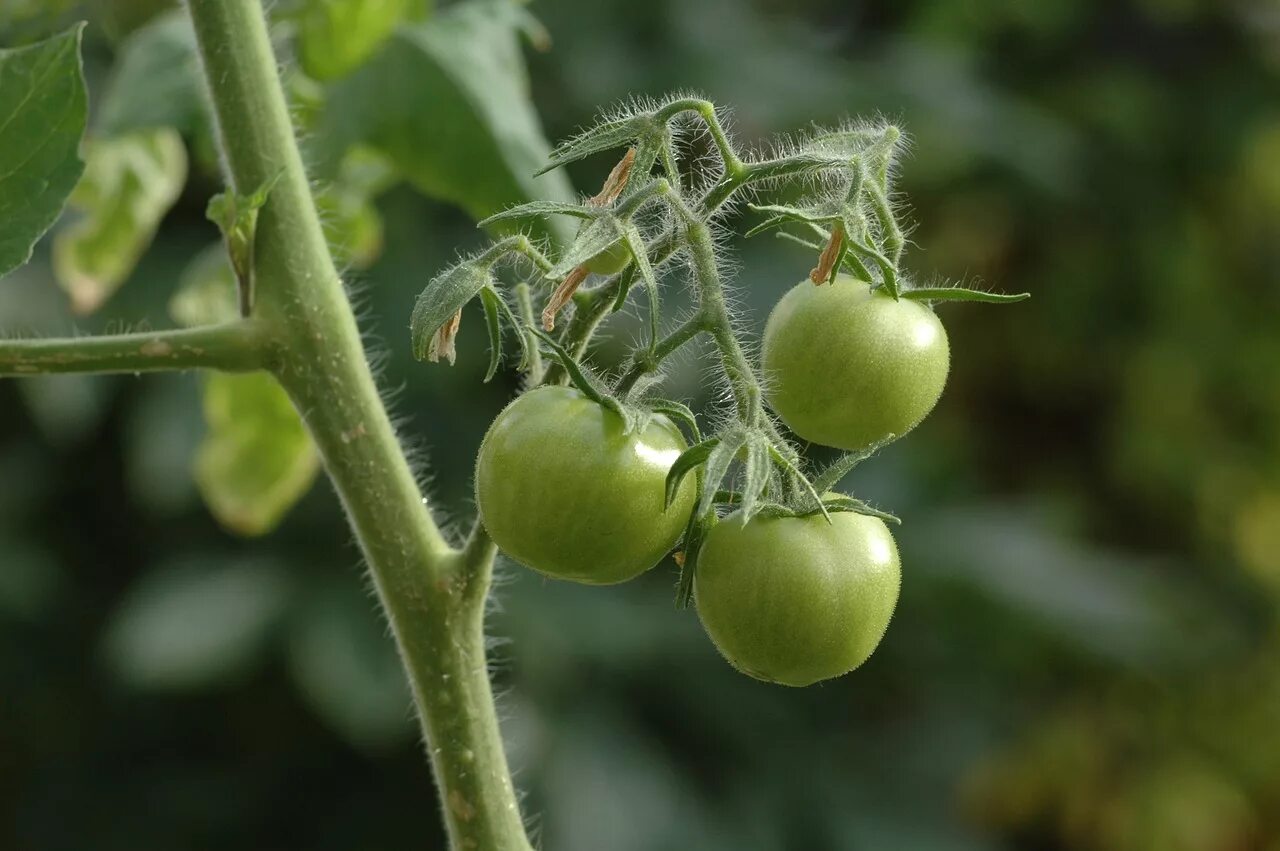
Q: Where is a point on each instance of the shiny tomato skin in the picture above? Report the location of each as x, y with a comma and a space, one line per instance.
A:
561, 489
795, 600
845, 366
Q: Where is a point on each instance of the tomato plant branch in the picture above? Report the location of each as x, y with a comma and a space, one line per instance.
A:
233, 347
433, 594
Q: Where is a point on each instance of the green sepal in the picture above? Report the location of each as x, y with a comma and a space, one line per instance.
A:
717, 465
635, 244
842, 466
841, 502
601, 137
695, 534
755, 476
539, 209
627, 277
790, 469
963, 294
494, 326
444, 296
678, 413
236, 215
493, 300
585, 382
689, 460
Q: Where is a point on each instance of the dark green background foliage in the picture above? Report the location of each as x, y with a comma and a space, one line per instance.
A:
1086, 651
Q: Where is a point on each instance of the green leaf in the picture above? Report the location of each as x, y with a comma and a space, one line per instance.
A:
336, 36
442, 298
42, 119
194, 624
128, 186
206, 293
236, 215
962, 294
447, 101
257, 459
156, 82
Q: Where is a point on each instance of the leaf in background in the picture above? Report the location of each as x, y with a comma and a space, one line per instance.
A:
206, 293
68, 408
344, 664
193, 625
156, 82
129, 184
257, 459
447, 100
336, 36
42, 118
352, 224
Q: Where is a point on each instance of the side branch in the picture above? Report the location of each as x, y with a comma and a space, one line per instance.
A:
233, 347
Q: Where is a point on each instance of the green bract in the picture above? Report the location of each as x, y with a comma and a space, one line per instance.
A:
846, 366
795, 600
564, 490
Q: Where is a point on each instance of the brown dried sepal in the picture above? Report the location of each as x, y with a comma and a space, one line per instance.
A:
615, 182
561, 296
442, 341
829, 257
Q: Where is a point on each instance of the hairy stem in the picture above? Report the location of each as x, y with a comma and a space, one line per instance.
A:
647, 362
433, 595
233, 347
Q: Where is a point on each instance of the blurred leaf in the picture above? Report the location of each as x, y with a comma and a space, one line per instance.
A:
447, 100
129, 184
193, 625
155, 82
344, 663
42, 117
257, 459
206, 293
337, 36
68, 408
352, 224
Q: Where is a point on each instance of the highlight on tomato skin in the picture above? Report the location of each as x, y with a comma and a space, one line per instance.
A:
845, 365
563, 490
797, 600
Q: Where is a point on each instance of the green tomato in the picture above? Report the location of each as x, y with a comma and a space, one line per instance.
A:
610, 261
562, 489
846, 366
795, 600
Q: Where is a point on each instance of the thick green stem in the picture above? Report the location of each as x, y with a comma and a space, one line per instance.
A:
647, 362
234, 347
433, 595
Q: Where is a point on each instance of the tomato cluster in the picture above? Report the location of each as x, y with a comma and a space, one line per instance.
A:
566, 488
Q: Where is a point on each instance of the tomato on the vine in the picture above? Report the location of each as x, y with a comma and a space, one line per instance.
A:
846, 366
562, 489
795, 600
610, 261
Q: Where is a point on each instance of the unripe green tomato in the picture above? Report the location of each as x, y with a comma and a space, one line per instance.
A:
845, 366
795, 600
610, 261
563, 490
